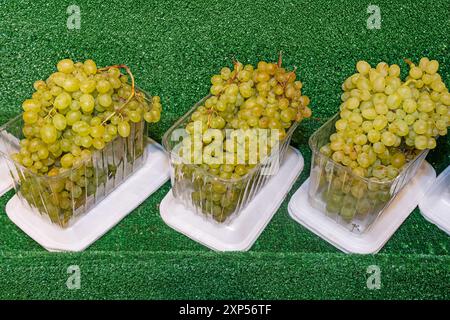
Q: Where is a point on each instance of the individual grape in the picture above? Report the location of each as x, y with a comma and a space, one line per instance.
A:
72, 117
59, 121
30, 117
90, 67
103, 86
65, 66
432, 67
86, 141
363, 67
67, 160
98, 144
62, 101
87, 103
97, 131
420, 126
71, 84
88, 86
123, 128
421, 142
42, 153
48, 134
31, 105
398, 160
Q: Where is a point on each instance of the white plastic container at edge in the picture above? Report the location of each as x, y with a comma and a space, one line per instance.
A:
435, 205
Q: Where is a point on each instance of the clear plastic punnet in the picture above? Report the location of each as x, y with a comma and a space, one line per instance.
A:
69, 195
351, 200
218, 200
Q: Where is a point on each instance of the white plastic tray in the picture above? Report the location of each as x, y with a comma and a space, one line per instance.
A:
6, 182
382, 229
243, 230
95, 223
435, 206
5, 178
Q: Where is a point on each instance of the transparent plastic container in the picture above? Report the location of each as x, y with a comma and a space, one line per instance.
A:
218, 200
350, 200
69, 195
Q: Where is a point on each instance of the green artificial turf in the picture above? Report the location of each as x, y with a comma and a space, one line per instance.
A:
173, 47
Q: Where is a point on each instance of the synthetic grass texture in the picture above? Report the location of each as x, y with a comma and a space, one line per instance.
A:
173, 47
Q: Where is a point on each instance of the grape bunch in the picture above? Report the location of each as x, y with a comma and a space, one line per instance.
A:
78, 110
74, 114
385, 122
242, 98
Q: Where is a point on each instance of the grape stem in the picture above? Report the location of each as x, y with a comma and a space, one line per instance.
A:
289, 76
280, 59
133, 89
50, 112
409, 62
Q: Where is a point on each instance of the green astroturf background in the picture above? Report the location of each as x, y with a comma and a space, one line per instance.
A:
173, 47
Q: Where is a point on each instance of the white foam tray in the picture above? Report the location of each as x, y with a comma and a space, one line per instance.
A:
382, 229
243, 230
100, 219
435, 206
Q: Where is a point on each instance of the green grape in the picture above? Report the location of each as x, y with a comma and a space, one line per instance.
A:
72, 117
71, 84
398, 160
421, 142
48, 134
135, 116
97, 131
103, 86
86, 141
388, 138
104, 99
59, 121
380, 122
62, 101
65, 66
98, 143
30, 117
88, 86
360, 139
31, 105
87, 103
123, 128
81, 128
420, 126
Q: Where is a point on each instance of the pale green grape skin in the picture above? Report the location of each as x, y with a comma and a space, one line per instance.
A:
103, 86
65, 66
104, 99
87, 103
62, 101
123, 128
48, 134
67, 160
30, 117
71, 84
59, 122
